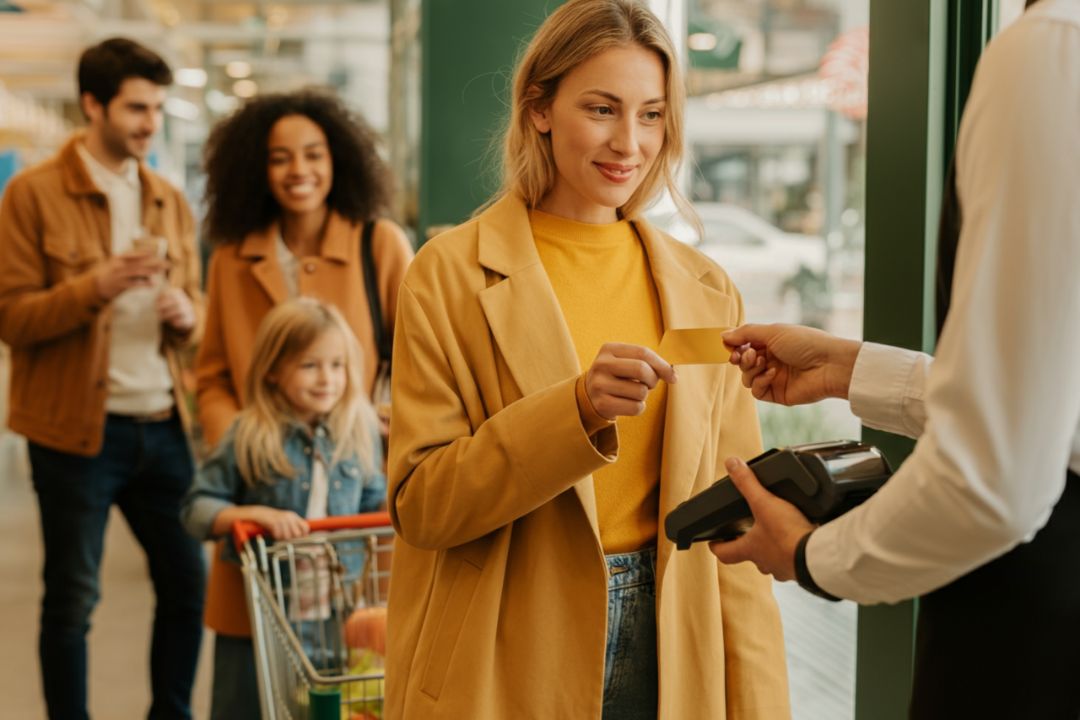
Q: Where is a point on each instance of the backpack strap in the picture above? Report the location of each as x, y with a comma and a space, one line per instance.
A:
384, 340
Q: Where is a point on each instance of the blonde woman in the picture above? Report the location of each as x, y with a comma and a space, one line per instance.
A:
537, 440
306, 446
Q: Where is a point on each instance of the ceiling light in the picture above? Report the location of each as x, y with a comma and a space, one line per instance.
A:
191, 77
238, 69
701, 41
183, 109
245, 88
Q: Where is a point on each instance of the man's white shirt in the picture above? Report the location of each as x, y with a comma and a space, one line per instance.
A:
139, 377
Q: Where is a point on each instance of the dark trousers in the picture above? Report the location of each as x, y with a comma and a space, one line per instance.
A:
1004, 640
145, 469
235, 694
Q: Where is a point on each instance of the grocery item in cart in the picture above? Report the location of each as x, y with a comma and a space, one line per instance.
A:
320, 649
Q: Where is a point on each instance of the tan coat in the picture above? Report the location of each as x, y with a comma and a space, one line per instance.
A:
498, 600
54, 230
245, 281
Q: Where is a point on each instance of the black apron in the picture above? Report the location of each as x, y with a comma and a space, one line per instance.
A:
1004, 640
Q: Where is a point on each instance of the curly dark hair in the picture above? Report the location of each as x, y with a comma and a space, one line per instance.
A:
238, 195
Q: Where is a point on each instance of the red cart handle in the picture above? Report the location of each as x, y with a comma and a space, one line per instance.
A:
245, 530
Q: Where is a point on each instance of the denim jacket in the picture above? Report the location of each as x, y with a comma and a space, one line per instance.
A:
218, 483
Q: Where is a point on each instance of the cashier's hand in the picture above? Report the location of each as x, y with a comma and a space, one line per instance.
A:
778, 527
621, 376
792, 364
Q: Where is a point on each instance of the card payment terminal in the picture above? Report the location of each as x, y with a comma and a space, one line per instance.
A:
824, 480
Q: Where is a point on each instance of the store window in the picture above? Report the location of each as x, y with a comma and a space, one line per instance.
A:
776, 136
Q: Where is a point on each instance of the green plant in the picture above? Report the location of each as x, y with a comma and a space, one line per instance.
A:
782, 426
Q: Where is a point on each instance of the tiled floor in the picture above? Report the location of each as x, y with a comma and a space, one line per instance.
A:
120, 635
820, 640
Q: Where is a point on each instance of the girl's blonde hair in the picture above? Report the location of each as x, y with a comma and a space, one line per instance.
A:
577, 31
284, 334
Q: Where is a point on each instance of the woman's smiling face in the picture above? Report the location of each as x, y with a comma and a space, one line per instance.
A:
606, 125
300, 169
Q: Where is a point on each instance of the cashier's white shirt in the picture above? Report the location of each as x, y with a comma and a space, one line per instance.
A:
997, 413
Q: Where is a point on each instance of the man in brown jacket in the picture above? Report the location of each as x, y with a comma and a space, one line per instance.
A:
99, 293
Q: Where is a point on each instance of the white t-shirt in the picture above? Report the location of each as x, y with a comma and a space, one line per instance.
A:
290, 267
139, 378
320, 491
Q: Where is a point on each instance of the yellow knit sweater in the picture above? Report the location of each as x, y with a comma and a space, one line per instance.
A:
600, 274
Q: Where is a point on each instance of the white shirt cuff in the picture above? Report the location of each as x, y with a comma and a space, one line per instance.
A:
887, 386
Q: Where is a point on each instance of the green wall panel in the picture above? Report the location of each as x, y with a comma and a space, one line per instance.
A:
904, 174
469, 49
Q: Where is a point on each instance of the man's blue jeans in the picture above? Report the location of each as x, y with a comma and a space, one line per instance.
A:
145, 469
631, 677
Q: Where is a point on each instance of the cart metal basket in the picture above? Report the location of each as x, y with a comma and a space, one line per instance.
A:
318, 617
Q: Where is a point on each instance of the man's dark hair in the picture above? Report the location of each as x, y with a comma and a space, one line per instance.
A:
104, 67
238, 197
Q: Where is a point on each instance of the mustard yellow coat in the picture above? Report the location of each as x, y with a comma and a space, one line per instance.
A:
498, 600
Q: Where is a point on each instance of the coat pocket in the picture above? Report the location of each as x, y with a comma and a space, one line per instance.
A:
450, 622
66, 258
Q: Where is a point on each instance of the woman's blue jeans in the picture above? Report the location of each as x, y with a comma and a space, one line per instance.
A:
630, 668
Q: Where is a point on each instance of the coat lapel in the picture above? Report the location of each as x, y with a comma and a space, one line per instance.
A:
686, 301
260, 248
528, 326
523, 313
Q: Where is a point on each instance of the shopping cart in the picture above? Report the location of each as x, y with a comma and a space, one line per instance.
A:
318, 622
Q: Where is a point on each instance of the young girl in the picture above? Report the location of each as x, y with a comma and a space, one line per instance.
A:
305, 446
531, 578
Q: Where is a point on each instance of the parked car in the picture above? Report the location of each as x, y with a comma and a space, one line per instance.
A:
777, 272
